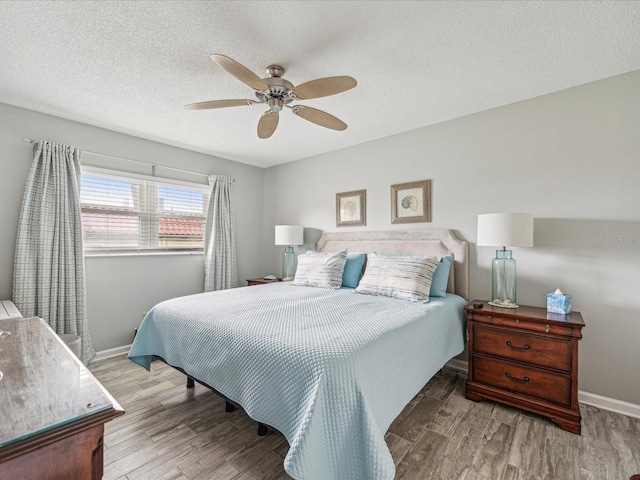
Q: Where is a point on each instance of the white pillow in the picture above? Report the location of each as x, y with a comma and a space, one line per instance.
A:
406, 277
319, 269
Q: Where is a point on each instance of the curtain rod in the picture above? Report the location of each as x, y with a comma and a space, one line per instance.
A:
153, 165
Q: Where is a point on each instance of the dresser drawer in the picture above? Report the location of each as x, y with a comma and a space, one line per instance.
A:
548, 386
523, 347
524, 324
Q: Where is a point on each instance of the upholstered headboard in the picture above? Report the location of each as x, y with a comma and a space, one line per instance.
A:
435, 241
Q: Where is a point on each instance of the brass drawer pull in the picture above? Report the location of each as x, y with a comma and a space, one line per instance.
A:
519, 349
517, 380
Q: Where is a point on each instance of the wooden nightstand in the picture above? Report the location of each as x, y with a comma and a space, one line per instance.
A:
260, 281
526, 358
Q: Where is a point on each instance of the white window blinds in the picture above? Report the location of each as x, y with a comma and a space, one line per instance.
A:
128, 213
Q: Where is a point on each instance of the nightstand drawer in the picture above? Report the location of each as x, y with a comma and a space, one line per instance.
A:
524, 324
548, 386
523, 347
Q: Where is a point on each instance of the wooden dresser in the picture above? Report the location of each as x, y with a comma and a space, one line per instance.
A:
526, 358
52, 409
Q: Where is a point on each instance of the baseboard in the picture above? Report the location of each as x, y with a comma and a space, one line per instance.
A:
112, 352
610, 404
603, 403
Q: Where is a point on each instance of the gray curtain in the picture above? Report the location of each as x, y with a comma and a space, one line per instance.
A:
221, 264
49, 274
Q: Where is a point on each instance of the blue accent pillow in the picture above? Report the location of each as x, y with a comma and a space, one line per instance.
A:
353, 269
441, 278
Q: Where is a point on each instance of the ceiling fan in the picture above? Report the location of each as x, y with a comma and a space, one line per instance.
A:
276, 92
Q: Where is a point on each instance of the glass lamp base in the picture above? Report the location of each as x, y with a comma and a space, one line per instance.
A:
288, 264
503, 280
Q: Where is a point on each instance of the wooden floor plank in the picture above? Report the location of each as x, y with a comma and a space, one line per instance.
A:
479, 414
447, 418
442, 385
252, 453
627, 447
185, 452
398, 446
173, 474
527, 450
173, 433
269, 467
491, 460
125, 448
560, 456
212, 465
422, 456
458, 454
413, 424
506, 414
141, 456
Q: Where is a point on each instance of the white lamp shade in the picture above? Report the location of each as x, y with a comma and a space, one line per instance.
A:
505, 230
289, 235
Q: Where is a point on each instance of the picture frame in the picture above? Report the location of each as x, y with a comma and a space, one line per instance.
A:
411, 202
351, 209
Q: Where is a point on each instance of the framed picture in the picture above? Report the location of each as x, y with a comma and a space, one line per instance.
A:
351, 209
411, 202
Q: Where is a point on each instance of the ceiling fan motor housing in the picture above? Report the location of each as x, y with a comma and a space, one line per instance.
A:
278, 87
275, 71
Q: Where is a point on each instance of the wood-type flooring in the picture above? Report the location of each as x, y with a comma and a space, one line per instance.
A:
173, 433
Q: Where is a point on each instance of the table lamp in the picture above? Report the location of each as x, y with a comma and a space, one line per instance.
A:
506, 230
289, 235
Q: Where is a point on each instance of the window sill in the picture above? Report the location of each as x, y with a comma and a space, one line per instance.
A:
140, 254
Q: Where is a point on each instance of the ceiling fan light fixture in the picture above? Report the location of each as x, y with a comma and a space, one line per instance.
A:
275, 105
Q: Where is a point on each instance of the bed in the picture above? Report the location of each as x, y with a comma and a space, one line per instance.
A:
329, 369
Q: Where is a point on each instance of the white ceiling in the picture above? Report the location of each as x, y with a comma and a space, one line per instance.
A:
130, 66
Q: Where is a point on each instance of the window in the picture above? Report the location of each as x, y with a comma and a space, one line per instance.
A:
128, 213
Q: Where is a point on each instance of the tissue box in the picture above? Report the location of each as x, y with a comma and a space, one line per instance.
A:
558, 303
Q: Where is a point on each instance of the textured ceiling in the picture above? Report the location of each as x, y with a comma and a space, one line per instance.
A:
130, 66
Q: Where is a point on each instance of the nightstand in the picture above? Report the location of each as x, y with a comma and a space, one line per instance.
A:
260, 281
526, 358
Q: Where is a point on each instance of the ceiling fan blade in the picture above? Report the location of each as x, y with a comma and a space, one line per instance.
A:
219, 104
319, 117
267, 124
323, 87
239, 71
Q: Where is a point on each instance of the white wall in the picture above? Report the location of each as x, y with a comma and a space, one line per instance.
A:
571, 158
120, 289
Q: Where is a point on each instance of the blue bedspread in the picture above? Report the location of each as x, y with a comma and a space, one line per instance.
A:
330, 369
